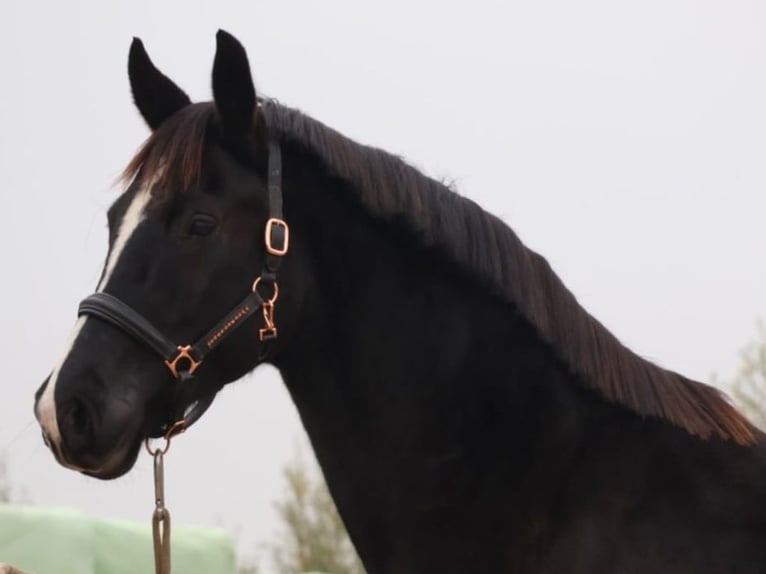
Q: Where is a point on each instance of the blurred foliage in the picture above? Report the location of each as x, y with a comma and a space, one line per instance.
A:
748, 388
312, 537
5, 485
9, 492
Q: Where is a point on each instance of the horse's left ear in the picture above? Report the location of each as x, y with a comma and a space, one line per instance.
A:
233, 88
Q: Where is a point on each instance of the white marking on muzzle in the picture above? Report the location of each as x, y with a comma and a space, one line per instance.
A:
46, 407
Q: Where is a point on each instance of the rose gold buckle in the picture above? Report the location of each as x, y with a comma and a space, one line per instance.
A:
269, 228
183, 353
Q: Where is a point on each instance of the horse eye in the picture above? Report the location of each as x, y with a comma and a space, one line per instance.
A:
202, 224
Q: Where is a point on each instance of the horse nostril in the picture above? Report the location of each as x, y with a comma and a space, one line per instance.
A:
78, 421
46, 439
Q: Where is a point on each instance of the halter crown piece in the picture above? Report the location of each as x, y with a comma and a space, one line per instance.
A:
183, 360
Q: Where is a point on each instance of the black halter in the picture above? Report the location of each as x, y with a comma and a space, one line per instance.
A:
184, 360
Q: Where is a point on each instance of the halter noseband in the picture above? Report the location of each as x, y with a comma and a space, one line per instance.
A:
183, 360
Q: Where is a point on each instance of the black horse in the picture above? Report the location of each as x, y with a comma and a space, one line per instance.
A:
468, 414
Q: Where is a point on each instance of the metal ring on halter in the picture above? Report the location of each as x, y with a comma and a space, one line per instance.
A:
276, 290
177, 428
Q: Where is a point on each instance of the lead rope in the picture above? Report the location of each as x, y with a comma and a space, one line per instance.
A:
160, 518
161, 515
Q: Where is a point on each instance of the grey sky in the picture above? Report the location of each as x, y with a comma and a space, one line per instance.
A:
623, 141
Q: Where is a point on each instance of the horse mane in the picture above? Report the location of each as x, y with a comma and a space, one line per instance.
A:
482, 246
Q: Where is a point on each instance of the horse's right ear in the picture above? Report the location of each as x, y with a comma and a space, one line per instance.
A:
156, 96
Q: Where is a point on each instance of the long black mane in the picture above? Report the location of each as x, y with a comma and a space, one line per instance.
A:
480, 245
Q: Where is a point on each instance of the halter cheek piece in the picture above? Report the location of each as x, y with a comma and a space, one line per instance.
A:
183, 360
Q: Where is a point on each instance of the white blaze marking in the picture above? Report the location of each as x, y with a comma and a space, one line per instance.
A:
46, 408
131, 219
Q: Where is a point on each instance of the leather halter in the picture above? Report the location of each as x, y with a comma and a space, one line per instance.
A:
183, 360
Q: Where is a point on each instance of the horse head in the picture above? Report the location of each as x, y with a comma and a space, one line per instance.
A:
188, 262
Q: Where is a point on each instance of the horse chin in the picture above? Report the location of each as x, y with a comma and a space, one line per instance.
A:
119, 464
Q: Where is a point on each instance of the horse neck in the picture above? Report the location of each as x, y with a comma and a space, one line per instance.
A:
425, 399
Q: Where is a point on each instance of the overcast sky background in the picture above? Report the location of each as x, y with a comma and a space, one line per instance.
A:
625, 141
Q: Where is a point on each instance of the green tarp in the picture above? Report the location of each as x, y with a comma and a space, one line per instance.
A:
44, 541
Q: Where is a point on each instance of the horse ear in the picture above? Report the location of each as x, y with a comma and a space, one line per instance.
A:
156, 96
233, 88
